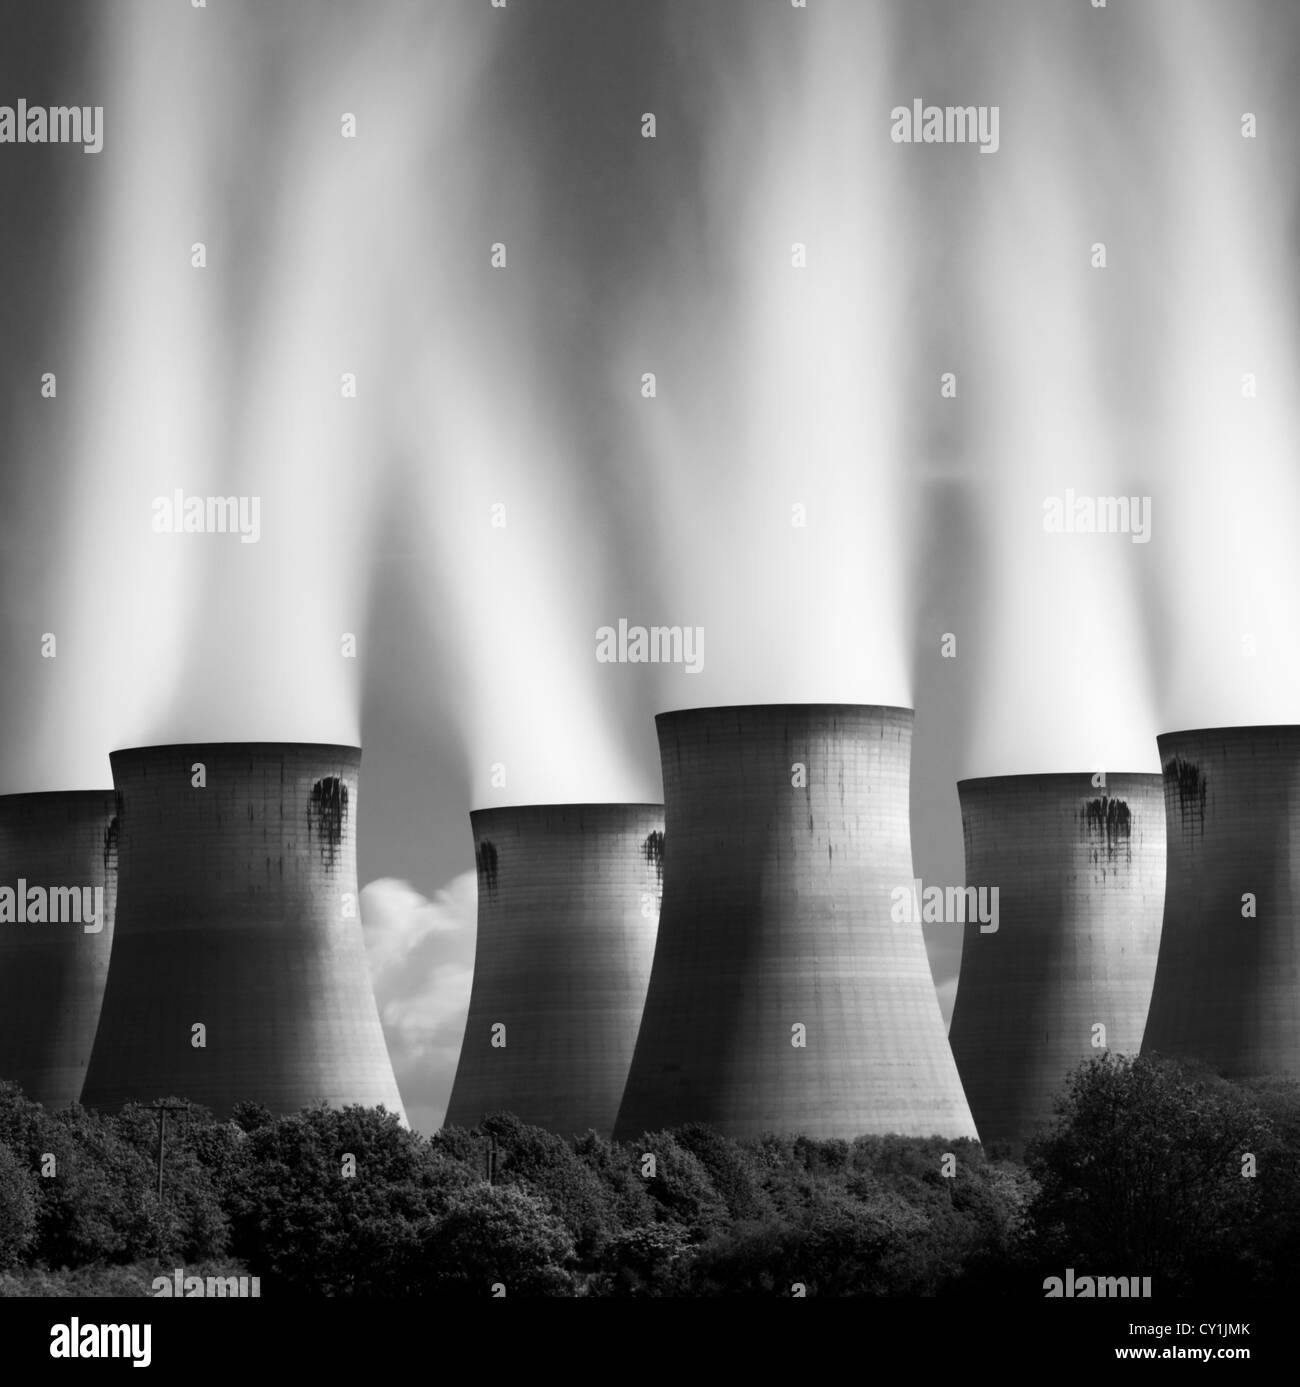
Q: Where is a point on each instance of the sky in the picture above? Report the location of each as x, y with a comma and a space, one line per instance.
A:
505, 361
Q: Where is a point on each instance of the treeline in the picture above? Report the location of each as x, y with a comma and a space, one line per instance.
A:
1151, 1169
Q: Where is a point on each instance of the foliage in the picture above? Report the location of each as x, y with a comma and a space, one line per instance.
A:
1152, 1168
191, 1223
546, 1165
335, 1201
1142, 1174
680, 1186
497, 1237
19, 1202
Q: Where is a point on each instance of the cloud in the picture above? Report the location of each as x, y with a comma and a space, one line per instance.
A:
421, 957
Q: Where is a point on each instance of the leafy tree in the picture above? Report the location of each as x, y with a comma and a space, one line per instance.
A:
248, 1117
22, 1122
1142, 1173
648, 1260
191, 1223
308, 1226
99, 1202
465, 1145
1277, 1162
96, 1189
680, 1185
19, 1201
989, 1251
730, 1167
497, 1235
221, 1149
618, 1170
842, 1246
547, 1165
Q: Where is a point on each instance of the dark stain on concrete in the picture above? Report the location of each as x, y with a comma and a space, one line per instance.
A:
485, 859
327, 812
1190, 785
110, 845
653, 852
1110, 820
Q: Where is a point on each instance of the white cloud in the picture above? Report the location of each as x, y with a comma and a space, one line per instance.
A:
421, 956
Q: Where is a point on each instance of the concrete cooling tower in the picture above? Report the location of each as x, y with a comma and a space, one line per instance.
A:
1080, 876
58, 884
783, 996
568, 906
1227, 988
238, 970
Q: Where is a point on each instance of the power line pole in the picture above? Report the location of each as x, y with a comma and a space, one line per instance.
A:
162, 1109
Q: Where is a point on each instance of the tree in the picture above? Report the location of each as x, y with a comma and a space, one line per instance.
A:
632, 1206
1278, 1177
18, 1207
336, 1202
1143, 1174
731, 1169
680, 1184
545, 1164
191, 1224
98, 1201
648, 1260
495, 1236
840, 1246
22, 1122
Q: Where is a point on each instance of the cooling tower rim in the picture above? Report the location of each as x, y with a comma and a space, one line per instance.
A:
1290, 729
788, 709
53, 797
1062, 779
322, 749
566, 806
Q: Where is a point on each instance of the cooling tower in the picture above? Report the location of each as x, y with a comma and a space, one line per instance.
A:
238, 970
1227, 988
783, 996
1080, 876
58, 884
568, 905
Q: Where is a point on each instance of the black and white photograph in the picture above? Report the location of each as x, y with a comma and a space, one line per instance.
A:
649, 651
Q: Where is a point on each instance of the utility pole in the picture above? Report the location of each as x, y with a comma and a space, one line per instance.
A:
162, 1109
